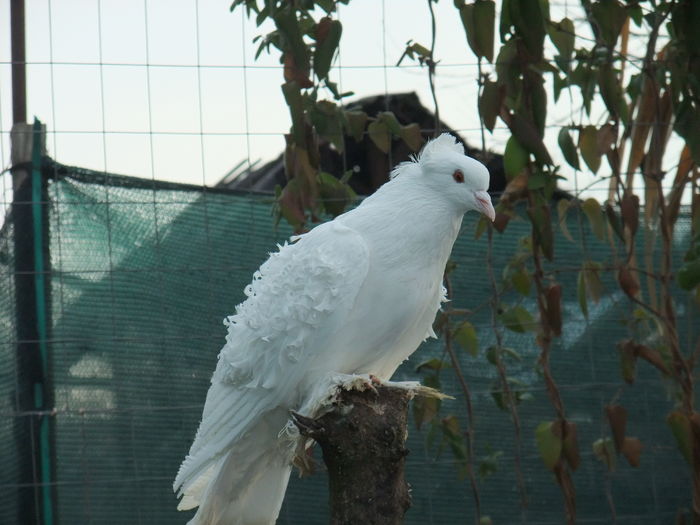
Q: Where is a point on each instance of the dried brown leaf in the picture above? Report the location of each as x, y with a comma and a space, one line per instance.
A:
628, 281
629, 209
554, 308
605, 138
640, 128
628, 360
632, 449
682, 175
570, 445
617, 417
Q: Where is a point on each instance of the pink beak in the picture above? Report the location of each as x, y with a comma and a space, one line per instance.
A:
484, 205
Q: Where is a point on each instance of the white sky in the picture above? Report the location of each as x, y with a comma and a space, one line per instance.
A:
204, 104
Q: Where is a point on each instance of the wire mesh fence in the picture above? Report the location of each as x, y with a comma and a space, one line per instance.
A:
140, 273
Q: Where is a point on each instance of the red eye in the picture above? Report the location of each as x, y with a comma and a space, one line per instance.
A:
458, 176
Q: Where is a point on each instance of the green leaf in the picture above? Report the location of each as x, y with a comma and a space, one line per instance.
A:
326, 48
688, 276
610, 89
335, 194
355, 124
506, 68
502, 399
489, 465
584, 77
529, 138
588, 144
452, 434
529, 22
566, 143
515, 158
478, 21
484, 17
591, 207
490, 103
415, 51
379, 133
636, 13
581, 293
424, 410
614, 221
327, 5
411, 135
610, 16
604, 450
542, 235
293, 98
563, 37
287, 24
494, 353
432, 364
465, 335
521, 280
518, 319
325, 117
549, 443
538, 99
562, 210
538, 180
391, 122
680, 426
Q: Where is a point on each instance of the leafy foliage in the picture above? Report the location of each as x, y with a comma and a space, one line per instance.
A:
307, 45
643, 104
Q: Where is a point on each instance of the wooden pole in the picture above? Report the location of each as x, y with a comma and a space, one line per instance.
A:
33, 390
19, 63
363, 442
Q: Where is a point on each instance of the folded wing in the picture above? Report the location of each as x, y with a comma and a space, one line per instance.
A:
298, 299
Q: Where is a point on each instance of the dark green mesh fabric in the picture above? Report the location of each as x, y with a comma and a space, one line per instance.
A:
142, 275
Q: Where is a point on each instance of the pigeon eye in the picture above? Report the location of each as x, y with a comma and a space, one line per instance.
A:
458, 176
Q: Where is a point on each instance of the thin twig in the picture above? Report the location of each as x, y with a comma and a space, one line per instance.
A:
470, 409
431, 70
501, 367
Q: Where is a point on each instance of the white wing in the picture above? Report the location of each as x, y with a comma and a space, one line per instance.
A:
298, 299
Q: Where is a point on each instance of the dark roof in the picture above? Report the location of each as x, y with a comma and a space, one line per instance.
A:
371, 165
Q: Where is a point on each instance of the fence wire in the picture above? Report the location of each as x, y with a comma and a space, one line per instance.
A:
143, 271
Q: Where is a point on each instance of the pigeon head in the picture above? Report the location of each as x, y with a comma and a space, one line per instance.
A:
461, 179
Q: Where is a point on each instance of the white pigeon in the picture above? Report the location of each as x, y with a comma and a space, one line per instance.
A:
355, 295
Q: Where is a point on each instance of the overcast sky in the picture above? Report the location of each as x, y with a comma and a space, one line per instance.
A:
170, 88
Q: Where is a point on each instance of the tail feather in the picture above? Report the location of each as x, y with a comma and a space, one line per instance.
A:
244, 486
243, 492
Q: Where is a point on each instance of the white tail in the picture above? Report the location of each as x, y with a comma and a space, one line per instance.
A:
246, 484
240, 489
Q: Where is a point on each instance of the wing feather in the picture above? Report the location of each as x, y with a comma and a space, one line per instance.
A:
298, 299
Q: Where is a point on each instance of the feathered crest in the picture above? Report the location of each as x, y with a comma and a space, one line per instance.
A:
442, 144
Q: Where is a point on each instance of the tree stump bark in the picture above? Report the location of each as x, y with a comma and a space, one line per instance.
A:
363, 443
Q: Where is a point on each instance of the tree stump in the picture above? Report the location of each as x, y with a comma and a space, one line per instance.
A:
363, 442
